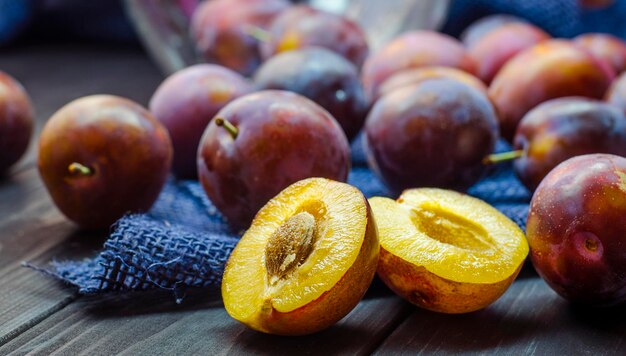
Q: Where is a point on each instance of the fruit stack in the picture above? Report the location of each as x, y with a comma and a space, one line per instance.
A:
266, 128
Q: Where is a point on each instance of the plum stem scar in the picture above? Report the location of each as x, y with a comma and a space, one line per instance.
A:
76, 168
232, 129
503, 157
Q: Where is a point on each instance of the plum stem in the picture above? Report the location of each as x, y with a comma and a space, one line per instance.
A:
258, 33
503, 157
232, 129
76, 168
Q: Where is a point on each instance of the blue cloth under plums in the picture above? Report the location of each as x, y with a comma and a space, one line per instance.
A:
184, 242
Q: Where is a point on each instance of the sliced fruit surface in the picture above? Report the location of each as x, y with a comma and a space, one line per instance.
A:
312, 247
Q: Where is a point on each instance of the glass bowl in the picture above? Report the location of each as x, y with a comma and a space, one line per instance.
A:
163, 25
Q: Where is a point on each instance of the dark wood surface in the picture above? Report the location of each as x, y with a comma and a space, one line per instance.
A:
41, 315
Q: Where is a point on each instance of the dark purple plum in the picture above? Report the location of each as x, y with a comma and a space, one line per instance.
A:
303, 26
433, 134
185, 103
222, 31
16, 121
322, 76
577, 232
563, 128
101, 157
259, 144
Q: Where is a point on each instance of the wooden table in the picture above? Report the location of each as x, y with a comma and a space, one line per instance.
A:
41, 315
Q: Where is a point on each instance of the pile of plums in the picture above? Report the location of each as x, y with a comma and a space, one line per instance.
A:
286, 87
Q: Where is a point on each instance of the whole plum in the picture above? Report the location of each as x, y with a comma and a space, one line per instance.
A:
411, 77
616, 95
607, 47
322, 76
434, 134
413, 50
563, 128
303, 26
260, 143
185, 103
548, 70
222, 31
16, 121
101, 157
483, 26
576, 229
498, 46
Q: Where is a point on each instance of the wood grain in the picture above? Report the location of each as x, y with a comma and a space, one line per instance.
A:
528, 319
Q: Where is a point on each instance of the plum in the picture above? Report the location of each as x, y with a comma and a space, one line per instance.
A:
563, 128
221, 30
548, 70
483, 26
411, 77
322, 76
576, 229
101, 157
413, 50
434, 134
498, 46
16, 121
616, 95
260, 143
303, 26
185, 103
606, 47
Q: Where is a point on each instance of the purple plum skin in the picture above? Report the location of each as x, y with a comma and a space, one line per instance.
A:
577, 232
616, 95
322, 76
16, 121
434, 134
563, 128
303, 26
282, 138
185, 103
128, 151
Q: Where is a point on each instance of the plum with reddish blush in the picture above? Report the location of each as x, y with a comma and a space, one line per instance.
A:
577, 232
606, 47
411, 77
481, 27
563, 128
260, 143
303, 26
16, 121
185, 103
101, 157
548, 70
434, 134
322, 76
498, 46
413, 50
616, 95
222, 31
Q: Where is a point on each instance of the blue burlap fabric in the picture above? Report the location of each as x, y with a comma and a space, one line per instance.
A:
183, 241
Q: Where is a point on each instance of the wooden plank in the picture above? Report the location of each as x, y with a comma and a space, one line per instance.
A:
150, 322
528, 319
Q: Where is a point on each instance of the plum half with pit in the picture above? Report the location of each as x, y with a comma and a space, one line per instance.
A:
322, 76
185, 103
303, 26
260, 143
222, 31
16, 121
576, 229
434, 134
101, 157
563, 128
413, 50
